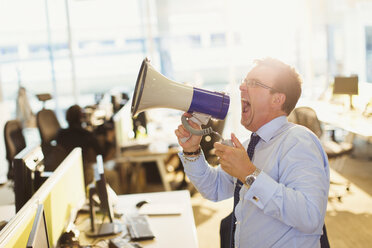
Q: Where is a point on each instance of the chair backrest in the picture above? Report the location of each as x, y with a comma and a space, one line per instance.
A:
47, 124
14, 141
307, 117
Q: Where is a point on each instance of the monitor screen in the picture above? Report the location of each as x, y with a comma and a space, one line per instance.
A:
99, 176
38, 237
346, 85
27, 166
123, 125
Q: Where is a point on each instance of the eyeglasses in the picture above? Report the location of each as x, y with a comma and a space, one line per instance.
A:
255, 83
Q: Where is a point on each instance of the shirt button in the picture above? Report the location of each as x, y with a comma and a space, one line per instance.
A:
255, 198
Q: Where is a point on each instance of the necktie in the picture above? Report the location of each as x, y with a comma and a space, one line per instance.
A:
252, 144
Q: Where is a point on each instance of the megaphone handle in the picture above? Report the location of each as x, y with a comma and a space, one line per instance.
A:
192, 131
183, 140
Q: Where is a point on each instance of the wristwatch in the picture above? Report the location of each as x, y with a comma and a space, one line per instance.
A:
249, 180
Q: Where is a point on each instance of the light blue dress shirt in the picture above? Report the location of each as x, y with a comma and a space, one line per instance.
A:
286, 205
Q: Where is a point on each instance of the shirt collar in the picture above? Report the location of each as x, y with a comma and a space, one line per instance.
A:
267, 131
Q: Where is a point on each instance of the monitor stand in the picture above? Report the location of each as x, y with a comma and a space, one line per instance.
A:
104, 229
100, 229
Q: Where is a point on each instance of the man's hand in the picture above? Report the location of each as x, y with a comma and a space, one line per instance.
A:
234, 160
192, 144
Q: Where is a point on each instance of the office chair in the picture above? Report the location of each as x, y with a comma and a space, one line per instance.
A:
48, 125
336, 151
14, 142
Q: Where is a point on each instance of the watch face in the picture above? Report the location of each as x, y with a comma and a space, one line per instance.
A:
249, 180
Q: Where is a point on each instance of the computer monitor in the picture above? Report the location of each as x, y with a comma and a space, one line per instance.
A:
105, 201
62, 194
38, 237
347, 86
28, 166
105, 204
123, 126
139, 122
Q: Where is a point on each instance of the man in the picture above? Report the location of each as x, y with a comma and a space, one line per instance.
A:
280, 186
76, 136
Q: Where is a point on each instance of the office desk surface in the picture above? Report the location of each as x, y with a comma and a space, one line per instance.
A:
169, 230
336, 115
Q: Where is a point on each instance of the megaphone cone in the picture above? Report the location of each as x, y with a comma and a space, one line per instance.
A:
154, 90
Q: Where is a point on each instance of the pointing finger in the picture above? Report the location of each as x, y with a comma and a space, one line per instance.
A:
236, 141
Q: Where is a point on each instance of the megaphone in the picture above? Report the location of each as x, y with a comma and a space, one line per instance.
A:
154, 90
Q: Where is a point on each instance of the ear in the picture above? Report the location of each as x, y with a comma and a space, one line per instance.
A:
278, 99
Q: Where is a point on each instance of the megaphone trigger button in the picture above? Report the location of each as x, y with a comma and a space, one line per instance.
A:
228, 142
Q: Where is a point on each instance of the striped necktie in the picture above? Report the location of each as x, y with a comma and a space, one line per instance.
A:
252, 144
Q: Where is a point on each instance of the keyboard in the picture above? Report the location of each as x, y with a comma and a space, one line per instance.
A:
139, 228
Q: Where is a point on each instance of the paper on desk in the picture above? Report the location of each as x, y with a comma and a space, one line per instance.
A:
160, 209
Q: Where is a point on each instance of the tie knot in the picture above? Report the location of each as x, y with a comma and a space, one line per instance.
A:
252, 144
254, 139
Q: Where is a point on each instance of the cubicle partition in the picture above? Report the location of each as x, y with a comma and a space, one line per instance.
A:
62, 194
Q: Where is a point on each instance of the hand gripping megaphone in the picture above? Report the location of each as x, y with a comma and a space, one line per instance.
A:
154, 90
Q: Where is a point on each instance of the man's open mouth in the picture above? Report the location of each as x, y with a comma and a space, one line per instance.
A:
246, 105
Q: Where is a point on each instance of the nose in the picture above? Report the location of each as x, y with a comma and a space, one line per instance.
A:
243, 86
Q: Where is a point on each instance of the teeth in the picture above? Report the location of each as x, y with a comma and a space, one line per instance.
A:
245, 101
245, 105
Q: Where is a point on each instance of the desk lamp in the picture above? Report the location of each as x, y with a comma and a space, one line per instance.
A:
43, 98
346, 85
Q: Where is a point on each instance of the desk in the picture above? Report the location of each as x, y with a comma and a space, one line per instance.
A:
158, 140
147, 155
170, 231
335, 115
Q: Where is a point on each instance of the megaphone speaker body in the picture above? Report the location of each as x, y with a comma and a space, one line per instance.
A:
154, 90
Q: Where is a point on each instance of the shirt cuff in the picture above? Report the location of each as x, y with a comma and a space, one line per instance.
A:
262, 190
193, 165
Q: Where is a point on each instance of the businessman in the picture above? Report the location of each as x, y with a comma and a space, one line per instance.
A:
279, 178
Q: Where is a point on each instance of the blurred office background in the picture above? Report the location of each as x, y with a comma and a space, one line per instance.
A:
75, 48
78, 49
